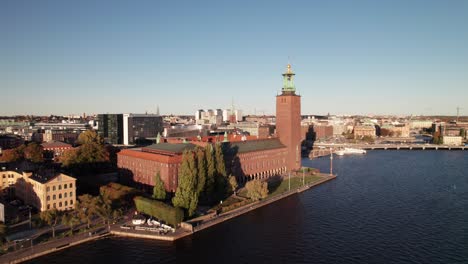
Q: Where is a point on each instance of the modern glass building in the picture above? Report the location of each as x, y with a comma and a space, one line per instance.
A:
110, 127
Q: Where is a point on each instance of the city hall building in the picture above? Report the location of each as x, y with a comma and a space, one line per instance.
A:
245, 158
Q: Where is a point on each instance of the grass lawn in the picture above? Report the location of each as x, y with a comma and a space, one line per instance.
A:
279, 187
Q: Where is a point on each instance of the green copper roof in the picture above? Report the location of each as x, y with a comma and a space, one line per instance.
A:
288, 80
257, 145
168, 147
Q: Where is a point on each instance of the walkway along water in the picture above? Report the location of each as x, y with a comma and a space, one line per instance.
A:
66, 242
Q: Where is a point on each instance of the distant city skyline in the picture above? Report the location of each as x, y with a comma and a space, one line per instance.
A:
359, 57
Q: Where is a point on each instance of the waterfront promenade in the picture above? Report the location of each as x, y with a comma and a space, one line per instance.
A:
197, 225
34, 251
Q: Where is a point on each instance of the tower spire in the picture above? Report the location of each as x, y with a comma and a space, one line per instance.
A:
288, 81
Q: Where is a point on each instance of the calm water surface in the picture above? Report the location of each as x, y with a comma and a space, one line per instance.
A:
384, 207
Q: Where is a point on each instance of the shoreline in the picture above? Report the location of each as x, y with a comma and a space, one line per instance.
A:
60, 244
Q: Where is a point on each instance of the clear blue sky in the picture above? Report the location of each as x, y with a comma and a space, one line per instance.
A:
350, 57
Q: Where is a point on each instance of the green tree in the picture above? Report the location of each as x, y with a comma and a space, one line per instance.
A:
256, 190
52, 218
210, 172
219, 157
3, 231
70, 219
105, 212
462, 132
186, 194
10, 155
233, 183
34, 152
159, 192
87, 208
201, 166
90, 137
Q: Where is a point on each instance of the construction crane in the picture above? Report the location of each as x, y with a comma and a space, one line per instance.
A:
458, 112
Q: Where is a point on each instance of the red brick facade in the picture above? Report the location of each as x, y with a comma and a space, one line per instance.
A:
143, 166
288, 127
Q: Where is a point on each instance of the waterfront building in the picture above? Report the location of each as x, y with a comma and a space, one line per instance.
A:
42, 191
322, 131
245, 158
361, 131
420, 124
399, 130
288, 120
453, 140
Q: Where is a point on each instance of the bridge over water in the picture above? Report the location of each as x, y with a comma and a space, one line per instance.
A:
324, 149
391, 146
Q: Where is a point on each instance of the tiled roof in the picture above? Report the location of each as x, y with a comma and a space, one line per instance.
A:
42, 179
257, 145
55, 144
149, 156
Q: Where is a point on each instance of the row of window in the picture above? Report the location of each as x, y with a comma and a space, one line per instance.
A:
59, 196
70, 185
54, 205
9, 176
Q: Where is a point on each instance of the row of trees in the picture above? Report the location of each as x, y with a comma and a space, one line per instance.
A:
87, 208
32, 152
202, 177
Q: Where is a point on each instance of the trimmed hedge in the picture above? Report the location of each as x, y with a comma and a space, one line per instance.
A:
159, 210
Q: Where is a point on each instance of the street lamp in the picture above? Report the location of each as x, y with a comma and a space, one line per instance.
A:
331, 161
289, 181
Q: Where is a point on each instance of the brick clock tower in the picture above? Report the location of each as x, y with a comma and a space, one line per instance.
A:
288, 120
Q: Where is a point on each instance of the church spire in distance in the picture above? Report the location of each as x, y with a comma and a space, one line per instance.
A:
288, 81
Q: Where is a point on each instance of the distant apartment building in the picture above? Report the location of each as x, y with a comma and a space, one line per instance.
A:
252, 128
209, 117
361, 131
322, 131
399, 130
260, 119
232, 116
55, 149
453, 140
420, 124
186, 131
42, 192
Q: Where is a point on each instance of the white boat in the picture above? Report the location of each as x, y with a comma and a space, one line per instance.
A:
344, 151
138, 221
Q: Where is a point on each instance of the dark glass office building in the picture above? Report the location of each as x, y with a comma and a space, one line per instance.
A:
110, 127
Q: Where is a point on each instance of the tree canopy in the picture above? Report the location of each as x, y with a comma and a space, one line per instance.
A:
159, 192
257, 189
186, 195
